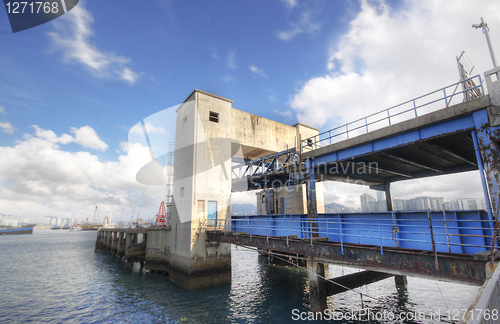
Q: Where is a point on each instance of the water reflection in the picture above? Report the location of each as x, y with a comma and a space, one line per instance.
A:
56, 277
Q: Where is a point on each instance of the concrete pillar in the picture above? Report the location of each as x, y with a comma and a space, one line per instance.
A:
97, 241
388, 196
317, 287
120, 249
114, 243
109, 242
312, 210
104, 240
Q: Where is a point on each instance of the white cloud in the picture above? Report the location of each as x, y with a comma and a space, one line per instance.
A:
44, 179
213, 53
289, 3
87, 137
231, 58
72, 38
390, 55
227, 78
150, 129
2, 110
257, 72
273, 98
307, 23
84, 136
7, 128
286, 115
49, 136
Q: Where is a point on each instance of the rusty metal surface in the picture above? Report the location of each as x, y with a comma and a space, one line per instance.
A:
452, 267
488, 138
354, 280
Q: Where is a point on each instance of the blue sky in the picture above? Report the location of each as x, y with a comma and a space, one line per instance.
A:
71, 89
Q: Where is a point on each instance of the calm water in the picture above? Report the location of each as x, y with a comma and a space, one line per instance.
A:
55, 277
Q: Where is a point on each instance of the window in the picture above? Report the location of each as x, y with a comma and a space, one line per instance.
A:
213, 117
201, 205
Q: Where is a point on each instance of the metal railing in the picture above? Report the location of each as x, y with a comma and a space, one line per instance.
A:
487, 309
393, 115
453, 232
273, 163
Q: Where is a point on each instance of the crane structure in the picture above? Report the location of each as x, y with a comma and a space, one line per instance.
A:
161, 216
95, 220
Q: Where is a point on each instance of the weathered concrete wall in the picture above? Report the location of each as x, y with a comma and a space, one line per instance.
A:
209, 132
260, 136
299, 200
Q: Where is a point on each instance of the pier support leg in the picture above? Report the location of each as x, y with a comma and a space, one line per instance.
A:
400, 280
127, 265
388, 196
97, 241
317, 285
120, 258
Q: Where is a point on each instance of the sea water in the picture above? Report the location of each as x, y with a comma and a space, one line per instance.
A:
55, 277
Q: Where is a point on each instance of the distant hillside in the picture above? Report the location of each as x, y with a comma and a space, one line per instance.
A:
335, 205
243, 209
338, 208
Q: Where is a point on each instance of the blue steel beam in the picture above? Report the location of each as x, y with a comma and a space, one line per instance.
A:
451, 267
461, 232
444, 128
411, 162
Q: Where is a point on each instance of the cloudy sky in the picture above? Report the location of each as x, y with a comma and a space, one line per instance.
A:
71, 89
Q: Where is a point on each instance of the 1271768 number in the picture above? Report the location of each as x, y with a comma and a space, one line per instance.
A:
32, 7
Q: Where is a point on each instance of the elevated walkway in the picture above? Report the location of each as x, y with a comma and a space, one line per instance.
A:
422, 137
427, 136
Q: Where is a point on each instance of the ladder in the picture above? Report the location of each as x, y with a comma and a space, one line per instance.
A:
290, 196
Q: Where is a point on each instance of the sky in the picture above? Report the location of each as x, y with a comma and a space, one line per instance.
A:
72, 89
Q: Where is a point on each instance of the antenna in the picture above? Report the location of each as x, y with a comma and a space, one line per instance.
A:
486, 31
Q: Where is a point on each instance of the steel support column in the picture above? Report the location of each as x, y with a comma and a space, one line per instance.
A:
481, 175
388, 196
487, 144
312, 209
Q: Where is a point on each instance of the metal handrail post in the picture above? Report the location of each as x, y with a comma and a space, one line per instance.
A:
341, 235
432, 239
380, 235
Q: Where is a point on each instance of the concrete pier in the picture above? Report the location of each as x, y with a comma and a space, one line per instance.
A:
122, 242
317, 285
152, 248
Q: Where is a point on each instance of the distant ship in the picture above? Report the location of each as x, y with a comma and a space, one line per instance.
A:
55, 227
26, 229
66, 226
